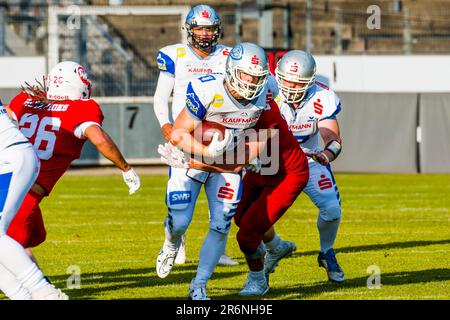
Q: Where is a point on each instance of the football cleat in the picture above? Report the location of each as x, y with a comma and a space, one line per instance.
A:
284, 249
254, 287
181, 255
227, 261
165, 261
197, 292
48, 292
328, 261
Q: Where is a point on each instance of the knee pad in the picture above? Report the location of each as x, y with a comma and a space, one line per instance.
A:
330, 213
221, 216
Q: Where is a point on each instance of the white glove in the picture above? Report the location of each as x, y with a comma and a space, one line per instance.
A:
132, 180
172, 156
319, 157
255, 165
217, 147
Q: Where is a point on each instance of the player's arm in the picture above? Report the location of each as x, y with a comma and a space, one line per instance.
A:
166, 82
253, 147
182, 138
330, 133
106, 146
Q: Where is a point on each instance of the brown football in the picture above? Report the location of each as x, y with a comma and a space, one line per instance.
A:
205, 131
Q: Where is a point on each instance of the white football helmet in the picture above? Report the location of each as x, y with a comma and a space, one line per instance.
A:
299, 67
250, 59
68, 80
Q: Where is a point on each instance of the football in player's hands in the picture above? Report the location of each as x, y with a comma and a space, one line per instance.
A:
205, 131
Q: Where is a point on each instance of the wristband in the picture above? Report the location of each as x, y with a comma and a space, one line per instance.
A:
334, 147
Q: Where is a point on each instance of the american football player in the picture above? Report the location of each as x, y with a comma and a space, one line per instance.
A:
58, 118
179, 64
235, 100
20, 277
310, 109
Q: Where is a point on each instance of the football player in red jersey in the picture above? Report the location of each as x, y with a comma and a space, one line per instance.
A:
266, 195
58, 119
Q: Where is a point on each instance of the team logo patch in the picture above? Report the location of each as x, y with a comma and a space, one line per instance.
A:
205, 14
83, 75
179, 197
226, 192
237, 52
161, 62
192, 102
217, 101
181, 52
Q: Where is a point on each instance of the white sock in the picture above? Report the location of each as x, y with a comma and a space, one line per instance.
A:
11, 287
274, 243
327, 233
14, 258
212, 248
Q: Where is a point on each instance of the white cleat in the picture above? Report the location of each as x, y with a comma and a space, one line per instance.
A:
254, 287
165, 261
181, 255
284, 249
48, 292
197, 292
227, 261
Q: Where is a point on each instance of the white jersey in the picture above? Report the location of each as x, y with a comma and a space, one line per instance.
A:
181, 61
208, 98
319, 103
9, 133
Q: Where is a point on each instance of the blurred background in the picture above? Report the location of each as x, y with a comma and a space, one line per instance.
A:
389, 61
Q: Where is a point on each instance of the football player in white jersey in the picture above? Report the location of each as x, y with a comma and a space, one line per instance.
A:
19, 167
236, 100
181, 63
310, 110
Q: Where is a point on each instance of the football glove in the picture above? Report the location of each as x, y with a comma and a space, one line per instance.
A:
132, 180
172, 156
255, 165
217, 147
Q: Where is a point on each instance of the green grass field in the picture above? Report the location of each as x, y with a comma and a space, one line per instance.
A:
401, 223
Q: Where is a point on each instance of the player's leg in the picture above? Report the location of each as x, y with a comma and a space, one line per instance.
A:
27, 228
223, 191
273, 202
181, 195
324, 193
18, 170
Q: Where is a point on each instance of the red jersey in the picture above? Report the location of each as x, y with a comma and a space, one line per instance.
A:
50, 128
292, 158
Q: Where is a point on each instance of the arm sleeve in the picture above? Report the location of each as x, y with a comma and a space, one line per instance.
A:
81, 129
92, 113
166, 82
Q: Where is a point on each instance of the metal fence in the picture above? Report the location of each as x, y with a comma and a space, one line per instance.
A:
120, 52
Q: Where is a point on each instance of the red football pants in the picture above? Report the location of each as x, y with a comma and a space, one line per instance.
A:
264, 200
27, 227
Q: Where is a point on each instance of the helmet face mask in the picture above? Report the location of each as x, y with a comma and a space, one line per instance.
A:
299, 69
248, 60
203, 16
